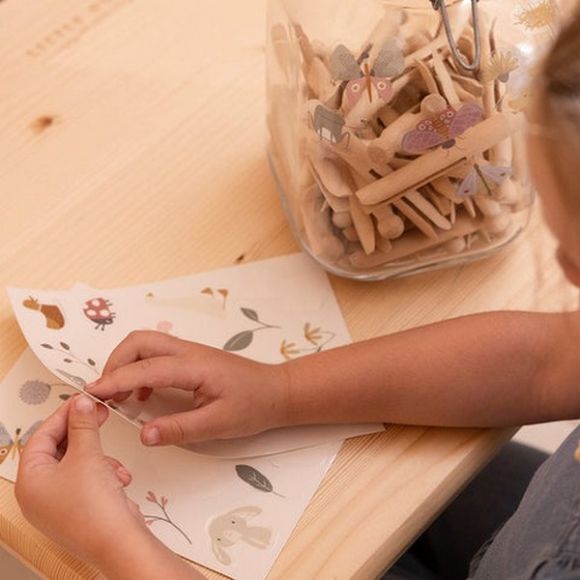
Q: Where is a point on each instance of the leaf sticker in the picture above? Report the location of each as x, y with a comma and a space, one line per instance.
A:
71, 358
243, 339
239, 341
79, 381
249, 313
256, 479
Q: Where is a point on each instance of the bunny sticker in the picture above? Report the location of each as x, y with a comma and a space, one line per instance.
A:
231, 528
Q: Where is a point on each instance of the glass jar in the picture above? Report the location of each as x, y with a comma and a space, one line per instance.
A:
395, 128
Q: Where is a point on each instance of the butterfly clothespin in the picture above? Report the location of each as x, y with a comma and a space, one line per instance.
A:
483, 179
442, 128
370, 81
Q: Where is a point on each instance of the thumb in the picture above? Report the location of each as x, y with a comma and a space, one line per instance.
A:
179, 428
83, 427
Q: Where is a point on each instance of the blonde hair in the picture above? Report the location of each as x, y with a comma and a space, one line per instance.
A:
559, 111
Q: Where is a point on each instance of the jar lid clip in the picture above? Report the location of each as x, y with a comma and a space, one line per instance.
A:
459, 58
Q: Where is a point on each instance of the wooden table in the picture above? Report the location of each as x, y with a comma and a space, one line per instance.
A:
132, 149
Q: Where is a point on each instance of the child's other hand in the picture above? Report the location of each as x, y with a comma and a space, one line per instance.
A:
71, 491
231, 396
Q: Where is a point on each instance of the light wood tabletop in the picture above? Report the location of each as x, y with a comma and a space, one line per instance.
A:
132, 148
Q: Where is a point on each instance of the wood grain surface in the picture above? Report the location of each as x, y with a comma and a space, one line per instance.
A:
132, 149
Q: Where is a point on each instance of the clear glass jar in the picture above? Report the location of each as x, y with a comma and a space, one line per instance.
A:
390, 155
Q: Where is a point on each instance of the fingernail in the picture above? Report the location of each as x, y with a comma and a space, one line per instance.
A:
91, 386
84, 405
124, 473
151, 436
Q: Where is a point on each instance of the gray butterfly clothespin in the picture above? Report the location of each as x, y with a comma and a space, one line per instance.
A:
345, 67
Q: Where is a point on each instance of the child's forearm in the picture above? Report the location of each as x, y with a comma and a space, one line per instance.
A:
496, 369
145, 558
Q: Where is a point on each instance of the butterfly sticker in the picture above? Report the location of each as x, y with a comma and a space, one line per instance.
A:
344, 67
9, 445
442, 128
483, 179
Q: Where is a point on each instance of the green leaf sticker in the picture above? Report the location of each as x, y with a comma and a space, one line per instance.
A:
239, 341
256, 479
249, 313
79, 381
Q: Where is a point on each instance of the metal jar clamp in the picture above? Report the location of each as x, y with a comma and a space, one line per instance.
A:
459, 58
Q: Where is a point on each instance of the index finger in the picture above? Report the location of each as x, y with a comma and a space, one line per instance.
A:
141, 344
162, 372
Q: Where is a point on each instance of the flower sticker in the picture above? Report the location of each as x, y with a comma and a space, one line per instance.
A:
536, 15
34, 392
162, 504
289, 350
499, 67
315, 336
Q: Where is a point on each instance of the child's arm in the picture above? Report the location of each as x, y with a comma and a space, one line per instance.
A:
496, 369
145, 558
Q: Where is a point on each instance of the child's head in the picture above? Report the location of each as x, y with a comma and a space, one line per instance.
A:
554, 144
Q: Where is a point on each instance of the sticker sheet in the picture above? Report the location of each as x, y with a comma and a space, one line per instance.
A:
269, 311
192, 503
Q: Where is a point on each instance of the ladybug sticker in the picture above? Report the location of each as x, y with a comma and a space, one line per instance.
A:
98, 310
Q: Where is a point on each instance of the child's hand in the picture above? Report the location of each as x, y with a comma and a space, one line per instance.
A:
75, 495
231, 396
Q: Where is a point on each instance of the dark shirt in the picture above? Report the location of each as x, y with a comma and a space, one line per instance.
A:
542, 539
